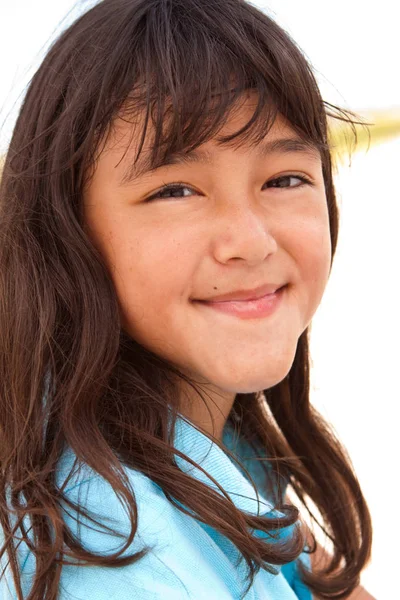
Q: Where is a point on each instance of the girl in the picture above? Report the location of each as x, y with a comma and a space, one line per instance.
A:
168, 224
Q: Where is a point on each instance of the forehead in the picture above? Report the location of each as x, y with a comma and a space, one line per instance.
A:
125, 137
128, 126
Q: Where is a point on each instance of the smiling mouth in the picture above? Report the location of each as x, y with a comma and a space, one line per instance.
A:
247, 309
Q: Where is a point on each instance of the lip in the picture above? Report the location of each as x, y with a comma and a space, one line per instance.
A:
251, 309
245, 295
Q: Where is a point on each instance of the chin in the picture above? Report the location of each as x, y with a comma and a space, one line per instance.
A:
251, 385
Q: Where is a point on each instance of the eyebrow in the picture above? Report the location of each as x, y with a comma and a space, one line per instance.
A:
205, 157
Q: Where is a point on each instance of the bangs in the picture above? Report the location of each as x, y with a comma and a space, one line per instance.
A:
184, 67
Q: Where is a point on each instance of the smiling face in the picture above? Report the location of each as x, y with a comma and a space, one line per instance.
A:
235, 218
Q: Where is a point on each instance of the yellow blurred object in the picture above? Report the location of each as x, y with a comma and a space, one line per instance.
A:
378, 126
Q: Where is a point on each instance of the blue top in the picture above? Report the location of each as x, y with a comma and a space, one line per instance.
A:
190, 560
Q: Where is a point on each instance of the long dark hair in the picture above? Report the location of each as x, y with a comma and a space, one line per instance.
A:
106, 396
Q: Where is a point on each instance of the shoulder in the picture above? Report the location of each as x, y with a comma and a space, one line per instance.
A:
159, 574
177, 565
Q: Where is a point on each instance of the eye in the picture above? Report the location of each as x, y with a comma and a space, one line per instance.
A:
173, 190
288, 181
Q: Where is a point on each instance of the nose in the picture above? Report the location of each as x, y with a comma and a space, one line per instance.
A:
243, 231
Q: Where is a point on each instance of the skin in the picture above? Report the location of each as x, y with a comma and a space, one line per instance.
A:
230, 229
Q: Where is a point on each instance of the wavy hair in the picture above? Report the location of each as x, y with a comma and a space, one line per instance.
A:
65, 381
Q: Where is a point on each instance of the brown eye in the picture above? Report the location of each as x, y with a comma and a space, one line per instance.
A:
288, 181
171, 191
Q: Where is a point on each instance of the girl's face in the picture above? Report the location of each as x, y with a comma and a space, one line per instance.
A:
237, 221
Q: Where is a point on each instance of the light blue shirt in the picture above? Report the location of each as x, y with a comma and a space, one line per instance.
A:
190, 560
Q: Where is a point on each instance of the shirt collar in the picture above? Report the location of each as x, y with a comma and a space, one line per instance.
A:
202, 450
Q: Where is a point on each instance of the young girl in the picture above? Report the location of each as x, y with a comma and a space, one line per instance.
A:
168, 225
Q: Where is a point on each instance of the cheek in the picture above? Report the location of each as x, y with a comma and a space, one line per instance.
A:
309, 244
147, 280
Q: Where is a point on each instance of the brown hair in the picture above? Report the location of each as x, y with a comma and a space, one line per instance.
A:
65, 381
